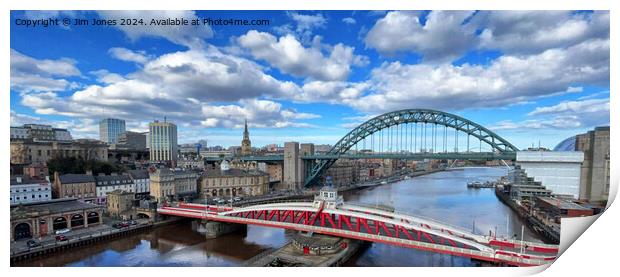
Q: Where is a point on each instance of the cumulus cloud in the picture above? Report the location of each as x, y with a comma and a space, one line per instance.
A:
189, 36
128, 55
527, 32
259, 113
349, 20
506, 80
79, 128
306, 22
303, 26
107, 77
565, 115
448, 35
444, 36
29, 74
575, 107
179, 86
290, 56
18, 119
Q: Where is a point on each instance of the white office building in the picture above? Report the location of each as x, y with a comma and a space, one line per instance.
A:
26, 190
141, 181
558, 171
163, 141
109, 183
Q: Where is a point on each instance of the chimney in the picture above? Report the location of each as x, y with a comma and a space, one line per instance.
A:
56, 177
18, 179
47, 178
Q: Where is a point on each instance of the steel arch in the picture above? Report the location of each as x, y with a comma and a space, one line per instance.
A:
409, 116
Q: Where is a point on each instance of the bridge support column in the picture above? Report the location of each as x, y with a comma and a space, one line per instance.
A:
215, 229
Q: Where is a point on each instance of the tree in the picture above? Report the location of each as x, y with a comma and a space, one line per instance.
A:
67, 165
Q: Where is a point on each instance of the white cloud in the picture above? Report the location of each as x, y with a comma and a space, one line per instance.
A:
106, 77
304, 25
181, 86
190, 36
29, 74
506, 80
443, 37
566, 115
308, 21
574, 107
259, 113
527, 32
349, 20
564, 122
290, 56
128, 55
80, 128
18, 119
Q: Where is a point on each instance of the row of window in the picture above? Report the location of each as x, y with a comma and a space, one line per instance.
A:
113, 182
240, 181
26, 190
26, 197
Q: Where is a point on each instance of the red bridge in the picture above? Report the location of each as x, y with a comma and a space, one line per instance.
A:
329, 215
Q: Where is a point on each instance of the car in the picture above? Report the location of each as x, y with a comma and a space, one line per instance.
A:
33, 243
220, 202
217, 199
116, 226
133, 222
124, 224
62, 231
237, 198
61, 238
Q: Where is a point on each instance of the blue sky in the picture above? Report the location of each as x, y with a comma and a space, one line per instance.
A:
312, 76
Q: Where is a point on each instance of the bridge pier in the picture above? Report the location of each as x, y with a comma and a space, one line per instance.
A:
215, 229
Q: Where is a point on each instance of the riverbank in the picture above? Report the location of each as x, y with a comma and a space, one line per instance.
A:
548, 234
104, 233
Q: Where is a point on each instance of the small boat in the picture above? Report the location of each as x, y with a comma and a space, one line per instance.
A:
479, 185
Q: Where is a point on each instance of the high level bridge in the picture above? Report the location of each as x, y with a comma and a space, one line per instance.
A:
328, 214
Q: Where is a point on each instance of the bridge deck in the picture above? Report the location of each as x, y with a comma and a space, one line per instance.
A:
374, 225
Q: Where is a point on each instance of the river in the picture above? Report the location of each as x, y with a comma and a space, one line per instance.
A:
442, 196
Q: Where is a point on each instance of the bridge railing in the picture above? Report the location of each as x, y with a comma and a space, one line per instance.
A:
267, 202
409, 214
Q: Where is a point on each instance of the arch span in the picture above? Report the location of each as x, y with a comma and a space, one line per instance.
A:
387, 120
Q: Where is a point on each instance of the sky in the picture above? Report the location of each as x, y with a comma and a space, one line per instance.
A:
312, 76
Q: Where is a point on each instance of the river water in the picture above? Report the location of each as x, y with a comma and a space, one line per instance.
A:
442, 196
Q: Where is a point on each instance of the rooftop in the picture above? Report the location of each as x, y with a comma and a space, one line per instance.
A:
124, 179
76, 178
138, 174
53, 206
233, 172
562, 204
26, 180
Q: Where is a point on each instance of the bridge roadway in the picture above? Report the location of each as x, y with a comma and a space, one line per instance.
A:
375, 225
400, 156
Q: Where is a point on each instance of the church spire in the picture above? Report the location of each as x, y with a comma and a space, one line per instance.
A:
246, 144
